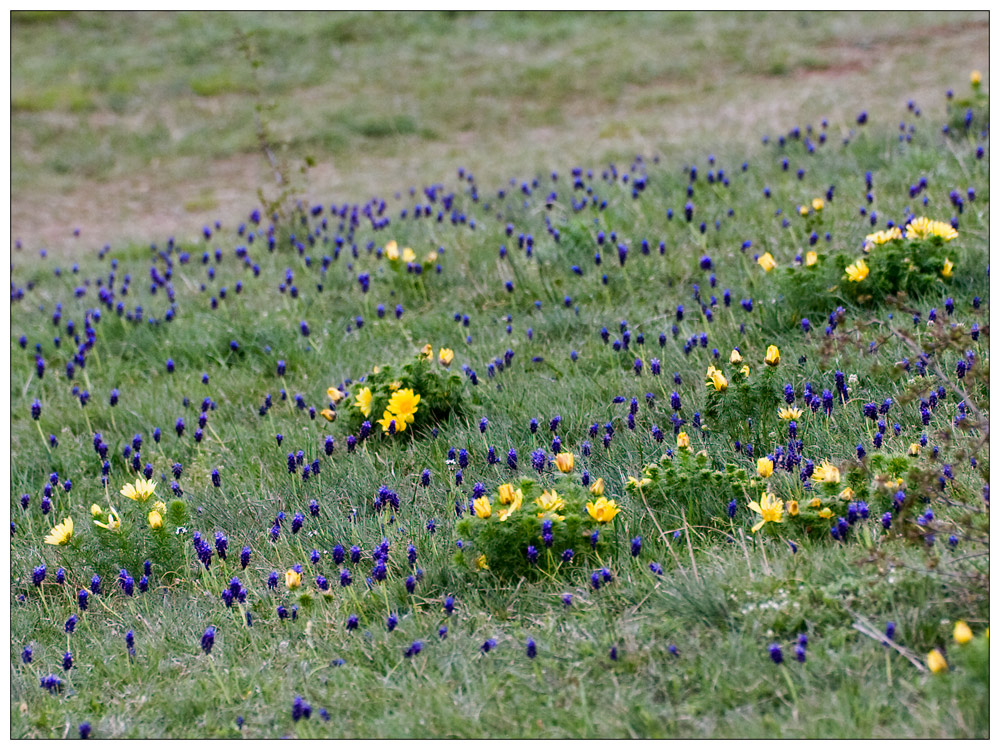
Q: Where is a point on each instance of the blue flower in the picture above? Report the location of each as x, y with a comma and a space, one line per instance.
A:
208, 639
775, 651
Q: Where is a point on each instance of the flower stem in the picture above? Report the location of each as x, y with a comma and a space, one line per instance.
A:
218, 679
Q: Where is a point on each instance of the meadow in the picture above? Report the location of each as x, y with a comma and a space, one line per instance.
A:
675, 432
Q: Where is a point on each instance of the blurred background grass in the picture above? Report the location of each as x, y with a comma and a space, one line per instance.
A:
136, 125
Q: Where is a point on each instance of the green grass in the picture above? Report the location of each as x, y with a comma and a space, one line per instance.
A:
408, 94
725, 593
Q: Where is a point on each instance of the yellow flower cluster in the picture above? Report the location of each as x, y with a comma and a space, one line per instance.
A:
336, 396
921, 228
401, 410
548, 504
510, 498
393, 254
883, 236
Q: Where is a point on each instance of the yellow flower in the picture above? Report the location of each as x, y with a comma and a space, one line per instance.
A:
811, 258
427, 352
481, 563
597, 488
363, 401
770, 510
61, 533
962, 633
815, 502
936, 662
975, 78
946, 271
633, 483
515, 506
395, 385
114, 522
847, 494
804, 210
403, 403
564, 462
766, 261
765, 467
793, 508
817, 204
549, 501
481, 505
683, 441
893, 484
95, 510
408, 255
883, 236
919, 228
773, 356
944, 230
745, 371
789, 413
335, 395
431, 257
507, 494
376, 369
735, 357
388, 418
392, 250
857, 271
445, 356
826, 472
602, 510
328, 414
293, 579
142, 490
826, 513
716, 378
160, 507
155, 519
914, 449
